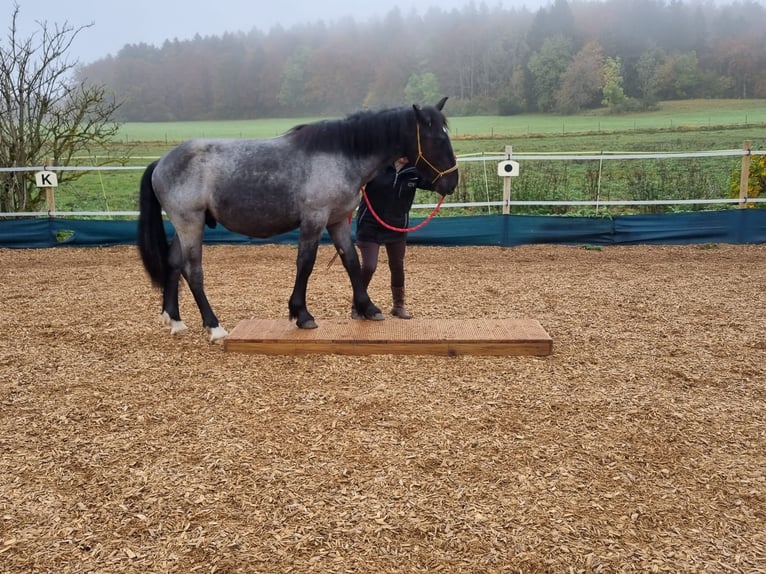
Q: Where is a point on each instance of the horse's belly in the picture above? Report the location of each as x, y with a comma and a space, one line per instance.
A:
258, 227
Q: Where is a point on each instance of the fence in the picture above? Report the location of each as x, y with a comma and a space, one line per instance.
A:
502, 195
705, 227
593, 183
685, 184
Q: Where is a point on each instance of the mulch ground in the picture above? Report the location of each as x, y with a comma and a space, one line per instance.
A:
639, 445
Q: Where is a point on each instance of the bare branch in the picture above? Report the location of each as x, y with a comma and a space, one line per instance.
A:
45, 114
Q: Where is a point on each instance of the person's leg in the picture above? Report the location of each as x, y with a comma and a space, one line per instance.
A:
396, 252
369, 252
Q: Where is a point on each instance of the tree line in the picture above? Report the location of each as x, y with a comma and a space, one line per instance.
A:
564, 58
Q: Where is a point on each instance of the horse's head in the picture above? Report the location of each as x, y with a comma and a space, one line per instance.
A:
431, 150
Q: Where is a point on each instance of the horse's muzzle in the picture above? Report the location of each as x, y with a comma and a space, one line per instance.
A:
447, 183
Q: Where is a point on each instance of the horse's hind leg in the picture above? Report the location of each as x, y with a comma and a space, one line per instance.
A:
186, 260
340, 233
171, 315
194, 276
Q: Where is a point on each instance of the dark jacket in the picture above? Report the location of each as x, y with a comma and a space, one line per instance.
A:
391, 195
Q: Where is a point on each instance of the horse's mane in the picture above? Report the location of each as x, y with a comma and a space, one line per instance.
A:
358, 133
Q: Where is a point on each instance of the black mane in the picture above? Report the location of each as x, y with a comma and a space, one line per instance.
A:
358, 133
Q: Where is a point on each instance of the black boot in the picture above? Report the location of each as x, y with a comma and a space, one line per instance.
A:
399, 310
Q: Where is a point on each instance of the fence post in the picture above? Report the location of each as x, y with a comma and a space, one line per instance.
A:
744, 175
50, 194
507, 184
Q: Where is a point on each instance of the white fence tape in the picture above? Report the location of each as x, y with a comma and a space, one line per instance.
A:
593, 156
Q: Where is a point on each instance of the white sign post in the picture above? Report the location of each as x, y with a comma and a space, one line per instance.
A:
48, 180
507, 169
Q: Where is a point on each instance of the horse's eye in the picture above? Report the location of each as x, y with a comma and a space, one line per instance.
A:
446, 130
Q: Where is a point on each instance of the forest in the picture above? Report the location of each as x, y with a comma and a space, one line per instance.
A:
568, 57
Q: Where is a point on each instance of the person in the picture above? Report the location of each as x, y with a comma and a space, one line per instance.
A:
390, 194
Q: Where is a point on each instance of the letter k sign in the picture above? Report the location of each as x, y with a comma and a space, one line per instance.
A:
46, 179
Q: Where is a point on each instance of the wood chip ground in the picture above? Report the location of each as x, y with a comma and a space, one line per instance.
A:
639, 445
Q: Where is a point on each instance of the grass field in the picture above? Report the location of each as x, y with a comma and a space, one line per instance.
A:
676, 127
671, 116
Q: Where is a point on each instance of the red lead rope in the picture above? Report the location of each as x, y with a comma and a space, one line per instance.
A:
386, 225
401, 229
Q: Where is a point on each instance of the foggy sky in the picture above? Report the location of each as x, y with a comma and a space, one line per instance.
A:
154, 21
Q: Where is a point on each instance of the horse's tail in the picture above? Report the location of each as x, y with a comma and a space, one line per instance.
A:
151, 239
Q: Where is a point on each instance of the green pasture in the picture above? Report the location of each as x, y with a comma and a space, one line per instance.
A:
173, 132
676, 127
671, 116
679, 115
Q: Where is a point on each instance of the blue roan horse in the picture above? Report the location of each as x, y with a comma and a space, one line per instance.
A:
308, 178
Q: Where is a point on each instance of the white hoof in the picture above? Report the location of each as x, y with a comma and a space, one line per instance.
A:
175, 326
217, 334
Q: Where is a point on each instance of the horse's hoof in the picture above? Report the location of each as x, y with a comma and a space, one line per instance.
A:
376, 317
217, 333
178, 327
310, 324
175, 326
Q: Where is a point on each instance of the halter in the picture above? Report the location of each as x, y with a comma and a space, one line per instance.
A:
439, 174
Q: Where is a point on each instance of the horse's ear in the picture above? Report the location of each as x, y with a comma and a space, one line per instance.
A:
440, 105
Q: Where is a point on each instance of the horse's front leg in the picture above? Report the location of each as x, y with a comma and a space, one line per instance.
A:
307, 254
340, 233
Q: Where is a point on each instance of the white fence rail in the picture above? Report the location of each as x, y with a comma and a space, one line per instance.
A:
743, 200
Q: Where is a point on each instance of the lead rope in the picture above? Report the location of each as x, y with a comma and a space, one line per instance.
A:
401, 229
391, 227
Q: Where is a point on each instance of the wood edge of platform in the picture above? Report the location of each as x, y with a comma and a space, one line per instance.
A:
450, 349
541, 344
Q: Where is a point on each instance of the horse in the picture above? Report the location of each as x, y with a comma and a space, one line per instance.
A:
308, 178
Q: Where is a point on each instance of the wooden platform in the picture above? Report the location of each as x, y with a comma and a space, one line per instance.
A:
392, 337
